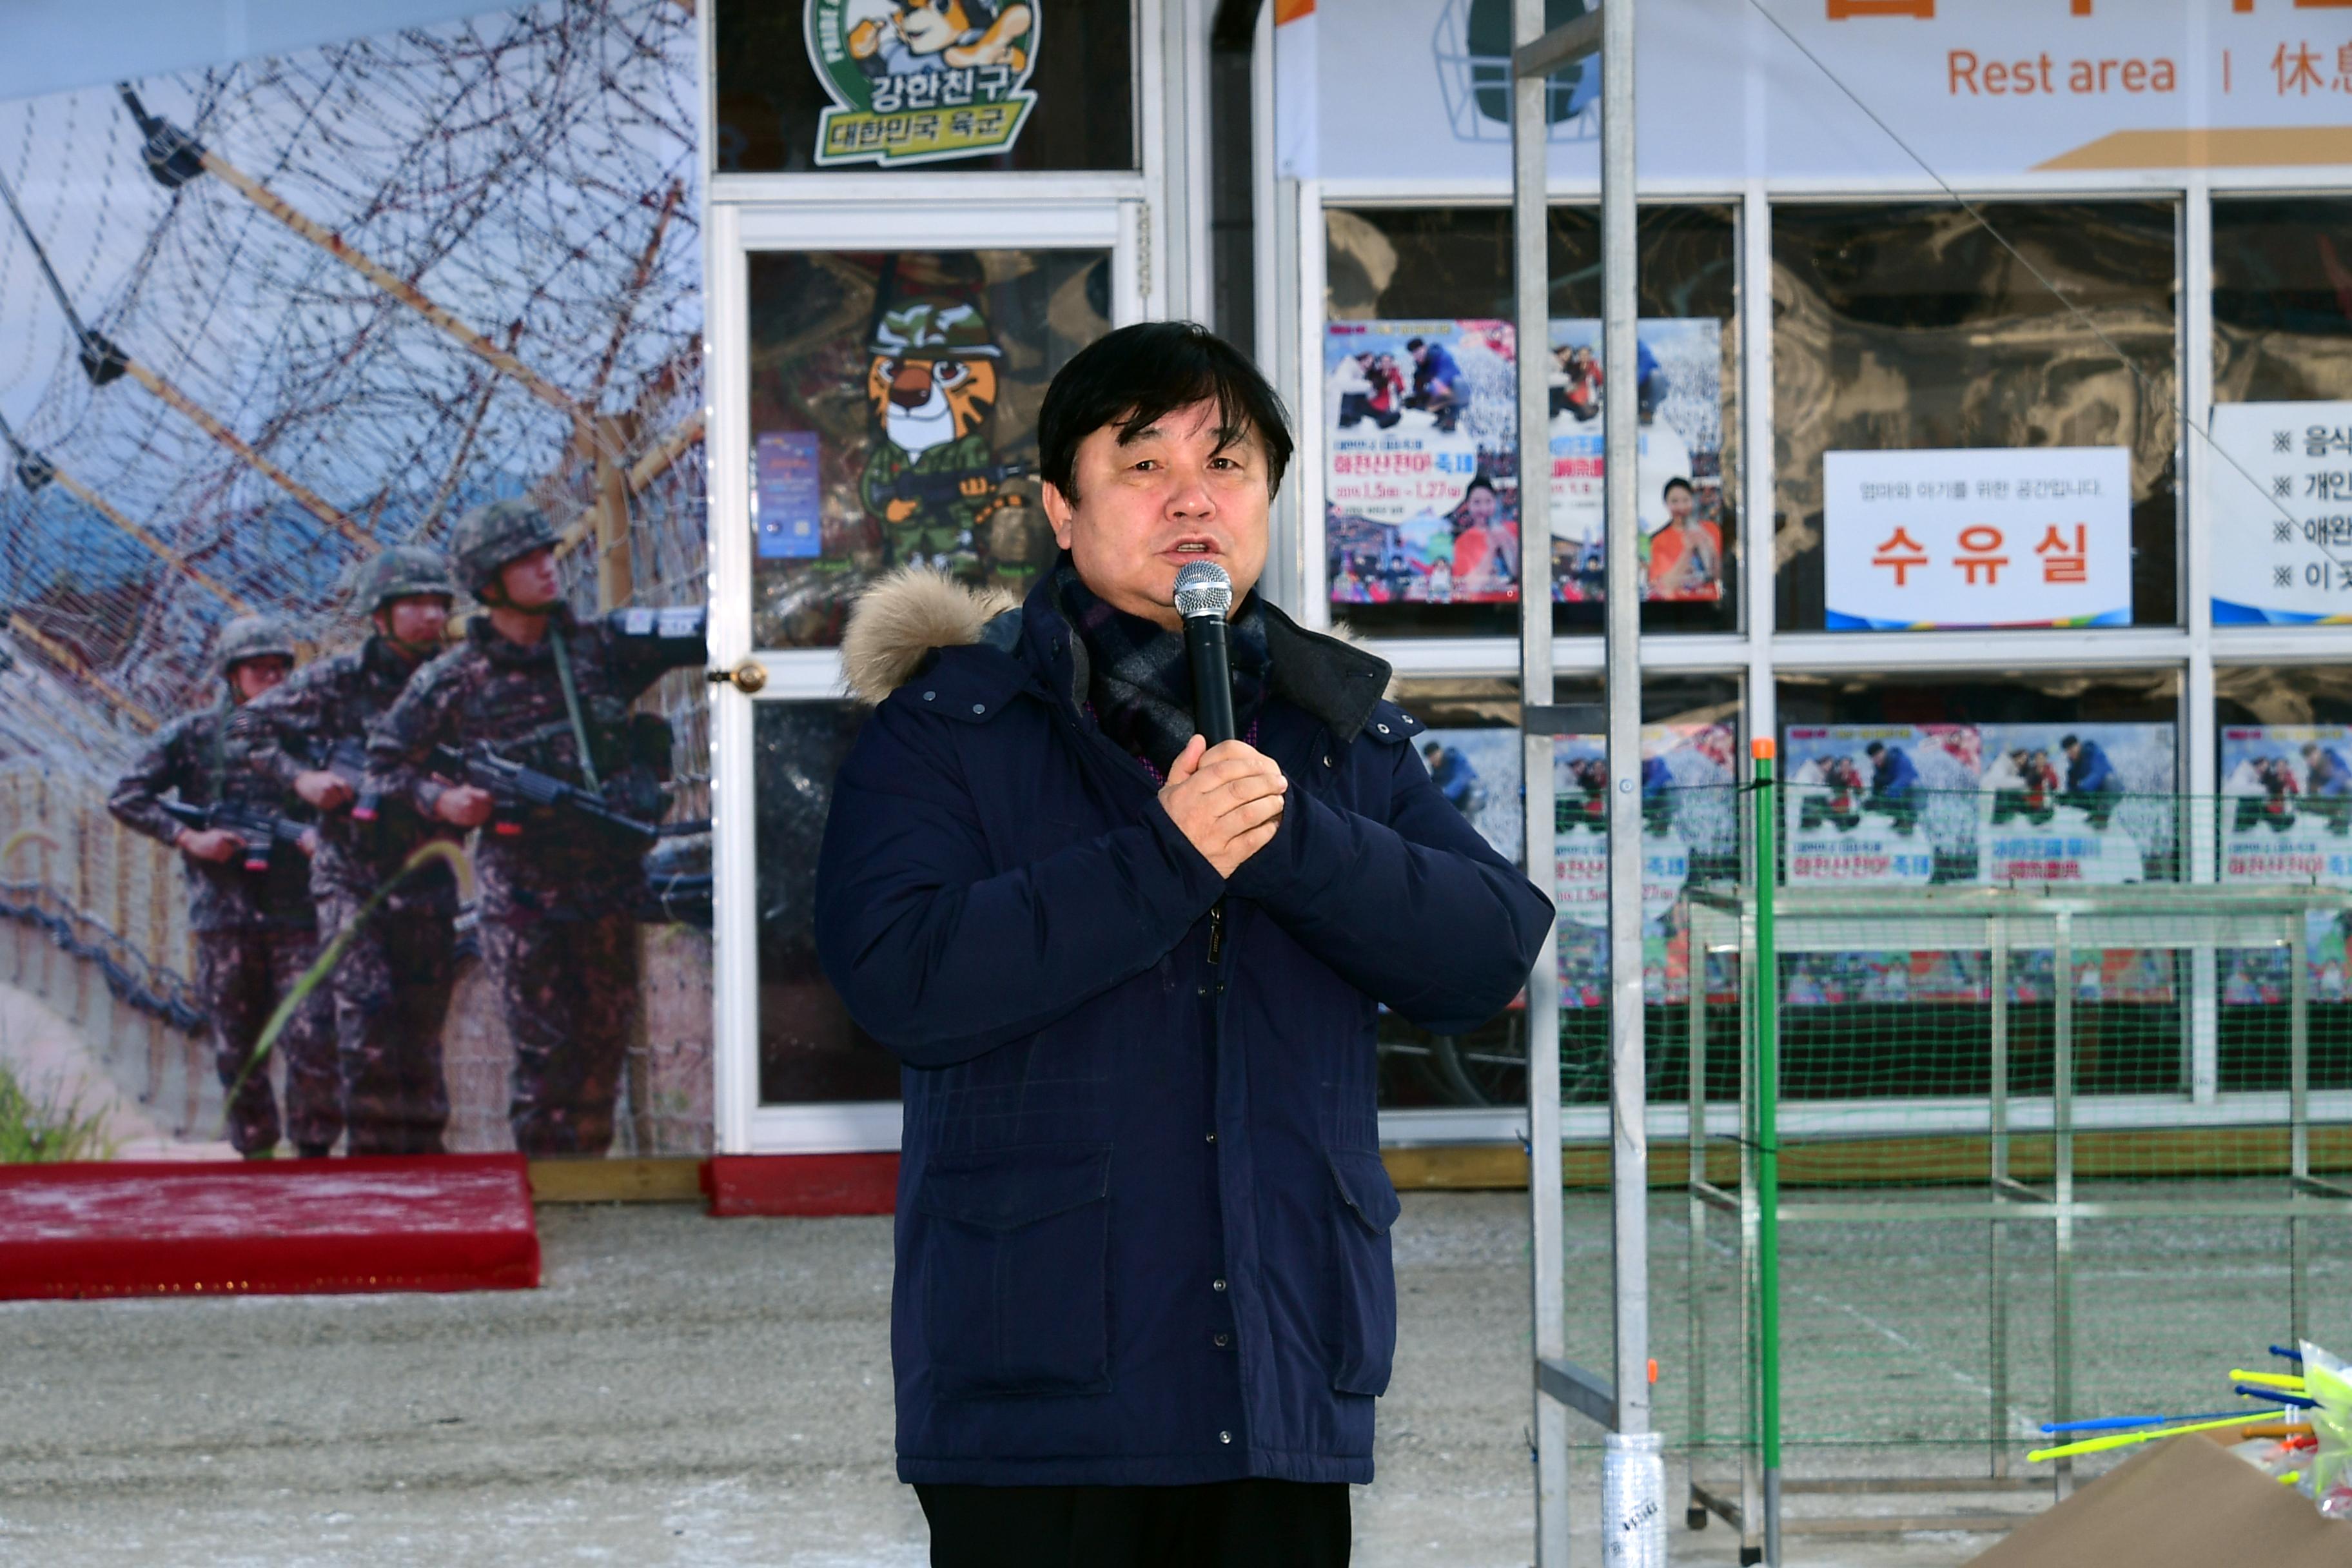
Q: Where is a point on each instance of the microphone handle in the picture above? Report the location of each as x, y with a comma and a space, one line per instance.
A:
1212, 677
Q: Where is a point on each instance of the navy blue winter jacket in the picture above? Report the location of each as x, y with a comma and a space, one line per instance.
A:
1142, 1228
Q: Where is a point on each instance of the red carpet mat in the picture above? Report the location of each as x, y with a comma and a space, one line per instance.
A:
450, 1222
801, 1184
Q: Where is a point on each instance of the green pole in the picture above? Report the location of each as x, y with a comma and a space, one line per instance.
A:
1768, 1142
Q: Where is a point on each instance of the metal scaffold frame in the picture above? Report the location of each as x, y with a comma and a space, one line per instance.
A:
1632, 1479
1760, 924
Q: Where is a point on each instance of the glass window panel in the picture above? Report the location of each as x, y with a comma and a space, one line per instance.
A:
1473, 752
771, 100
893, 418
809, 1049
2281, 299
1446, 563
1908, 327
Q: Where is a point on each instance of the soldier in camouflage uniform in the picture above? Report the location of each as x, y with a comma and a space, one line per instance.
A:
933, 386
255, 931
555, 890
392, 986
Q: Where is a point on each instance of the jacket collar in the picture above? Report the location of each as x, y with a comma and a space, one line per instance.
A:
1330, 680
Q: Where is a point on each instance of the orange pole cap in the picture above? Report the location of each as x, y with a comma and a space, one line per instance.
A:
1761, 749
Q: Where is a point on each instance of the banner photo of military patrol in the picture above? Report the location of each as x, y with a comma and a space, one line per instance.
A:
1904, 805
1421, 485
354, 775
894, 419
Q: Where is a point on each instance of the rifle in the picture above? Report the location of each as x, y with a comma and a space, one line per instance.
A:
516, 788
347, 759
938, 488
258, 830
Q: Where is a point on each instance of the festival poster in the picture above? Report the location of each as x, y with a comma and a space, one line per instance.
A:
2286, 814
1421, 483
2077, 803
1689, 832
2281, 496
1880, 805
1480, 773
1678, 380
245, 464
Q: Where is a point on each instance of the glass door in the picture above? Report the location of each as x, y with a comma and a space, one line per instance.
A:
875, 401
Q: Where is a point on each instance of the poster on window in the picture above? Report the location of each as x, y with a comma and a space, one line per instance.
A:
2280, 489
1898, 804
1421, 483
1879, 805
1914, 541
921, 81
1421, 497
301, 852
2286, 804
1479, 772
1689, 833
2076, 804
1678, 381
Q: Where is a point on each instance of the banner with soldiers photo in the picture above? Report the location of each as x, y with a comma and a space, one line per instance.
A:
353, 777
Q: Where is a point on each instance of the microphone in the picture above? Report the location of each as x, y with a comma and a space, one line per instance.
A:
1205, 595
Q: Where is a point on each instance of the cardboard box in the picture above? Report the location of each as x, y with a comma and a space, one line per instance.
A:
2187, 1503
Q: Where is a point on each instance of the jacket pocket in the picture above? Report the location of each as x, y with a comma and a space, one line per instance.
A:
1363, 1274
1017, 1295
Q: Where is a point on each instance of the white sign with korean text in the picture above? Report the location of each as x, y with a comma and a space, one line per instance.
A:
1978, 537
2281, 489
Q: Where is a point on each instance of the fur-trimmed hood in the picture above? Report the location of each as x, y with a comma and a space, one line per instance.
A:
898, 621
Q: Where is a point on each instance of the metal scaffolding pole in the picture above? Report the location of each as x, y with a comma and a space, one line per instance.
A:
1532, 275
1632, 1484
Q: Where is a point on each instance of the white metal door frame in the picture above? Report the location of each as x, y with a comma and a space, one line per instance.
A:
1028, 214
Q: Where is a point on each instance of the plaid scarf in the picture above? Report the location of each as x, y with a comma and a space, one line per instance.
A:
1138, 681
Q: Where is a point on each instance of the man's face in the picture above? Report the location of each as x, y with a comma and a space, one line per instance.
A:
1421, 354
252, 677
1149, 506
416, 619
2073, 749
530, 582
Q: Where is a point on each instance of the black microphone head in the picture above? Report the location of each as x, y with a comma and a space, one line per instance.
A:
1204, 589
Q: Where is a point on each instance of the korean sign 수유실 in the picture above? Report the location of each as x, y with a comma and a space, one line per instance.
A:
2033, 537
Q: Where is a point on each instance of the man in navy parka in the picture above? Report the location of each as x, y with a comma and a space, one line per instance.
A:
1144, 1299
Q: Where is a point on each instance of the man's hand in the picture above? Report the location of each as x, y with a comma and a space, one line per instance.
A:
1227, 800
214, 843
323, 789
464, 805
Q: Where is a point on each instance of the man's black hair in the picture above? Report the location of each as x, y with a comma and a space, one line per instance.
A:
1685, 485
1874, 749
2067, 740
1412, 343
1134, 377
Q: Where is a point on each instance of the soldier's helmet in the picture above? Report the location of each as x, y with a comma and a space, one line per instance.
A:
487, 537
933, 329
253, 637
397, 572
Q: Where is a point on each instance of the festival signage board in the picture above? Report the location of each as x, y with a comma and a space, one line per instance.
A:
1978, 537
1879, 805
2076, 804
2280, 489
2286, 804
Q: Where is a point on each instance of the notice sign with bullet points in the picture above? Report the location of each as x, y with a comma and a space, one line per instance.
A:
1921, 540
2280, 485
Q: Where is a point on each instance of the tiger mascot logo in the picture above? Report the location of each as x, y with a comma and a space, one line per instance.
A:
932, 480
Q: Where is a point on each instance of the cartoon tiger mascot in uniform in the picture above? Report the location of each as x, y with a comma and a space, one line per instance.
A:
918, 36
932, 480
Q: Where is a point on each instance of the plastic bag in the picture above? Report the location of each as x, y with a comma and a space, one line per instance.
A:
2327, 1382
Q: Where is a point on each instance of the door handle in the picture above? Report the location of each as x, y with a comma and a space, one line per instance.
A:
748, 676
